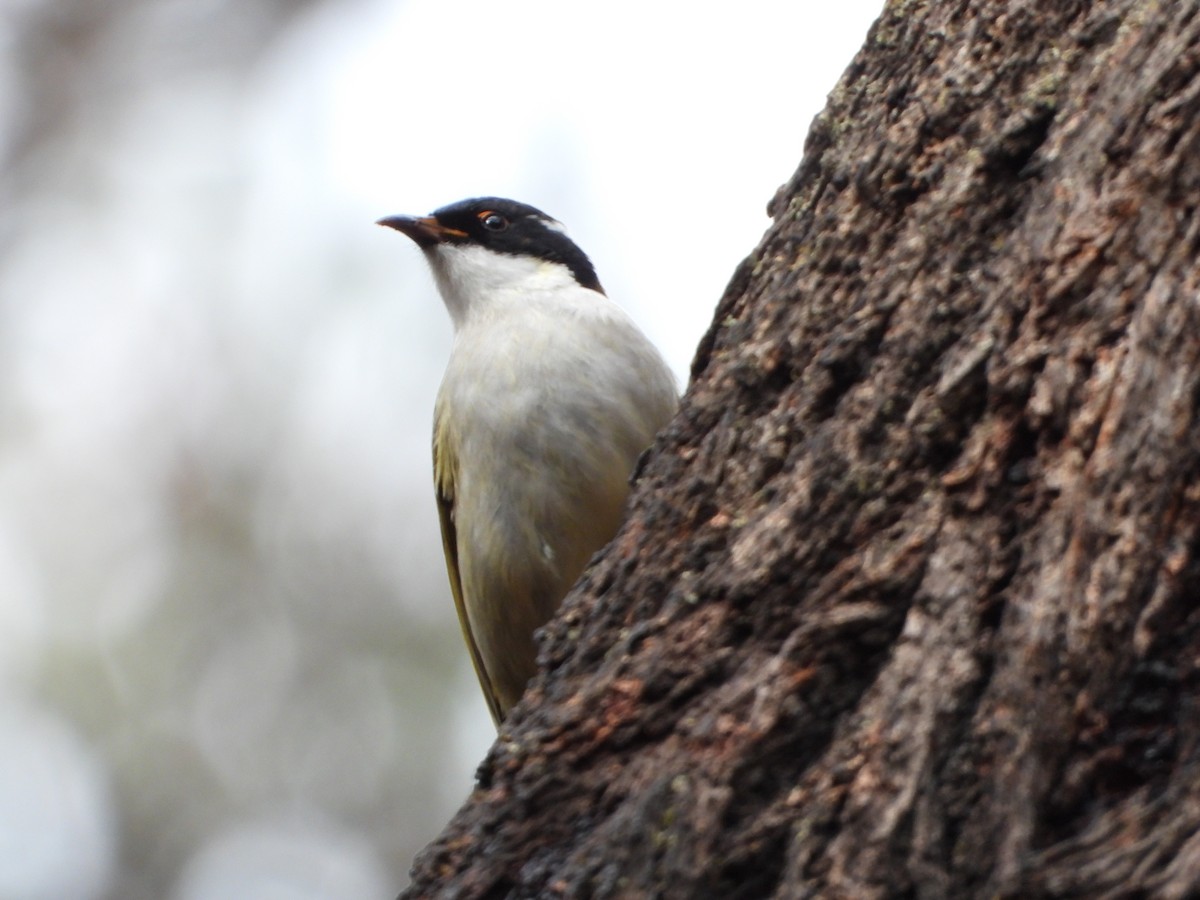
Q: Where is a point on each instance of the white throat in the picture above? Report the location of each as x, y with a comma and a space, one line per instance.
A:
474, 280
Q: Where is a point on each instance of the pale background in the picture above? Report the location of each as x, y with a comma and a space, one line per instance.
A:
229, 665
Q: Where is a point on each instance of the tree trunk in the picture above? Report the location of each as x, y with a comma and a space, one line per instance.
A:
906, 604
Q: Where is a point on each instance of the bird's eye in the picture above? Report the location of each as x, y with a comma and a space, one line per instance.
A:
493, 221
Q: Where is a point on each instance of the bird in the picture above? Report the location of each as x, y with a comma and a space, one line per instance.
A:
550, 396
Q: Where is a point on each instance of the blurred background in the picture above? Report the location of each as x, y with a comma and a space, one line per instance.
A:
229, 663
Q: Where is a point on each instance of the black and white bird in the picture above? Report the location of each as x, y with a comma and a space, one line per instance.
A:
550, 396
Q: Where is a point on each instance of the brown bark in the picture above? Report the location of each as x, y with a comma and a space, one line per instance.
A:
906, 602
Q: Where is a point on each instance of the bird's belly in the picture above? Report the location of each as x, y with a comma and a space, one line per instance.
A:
527, 527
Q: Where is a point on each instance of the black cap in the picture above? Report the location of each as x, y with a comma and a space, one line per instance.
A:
503, 226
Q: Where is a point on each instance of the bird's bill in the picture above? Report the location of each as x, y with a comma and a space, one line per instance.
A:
426, 231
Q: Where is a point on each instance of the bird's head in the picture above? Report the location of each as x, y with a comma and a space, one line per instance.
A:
485, 245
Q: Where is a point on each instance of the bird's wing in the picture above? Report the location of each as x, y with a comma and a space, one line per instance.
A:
445, 466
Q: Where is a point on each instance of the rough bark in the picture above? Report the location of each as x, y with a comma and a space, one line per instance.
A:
906, 604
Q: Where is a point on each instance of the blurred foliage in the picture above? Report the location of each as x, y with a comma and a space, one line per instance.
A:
219, 667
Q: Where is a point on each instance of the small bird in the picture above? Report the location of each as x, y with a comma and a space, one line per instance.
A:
550, 396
